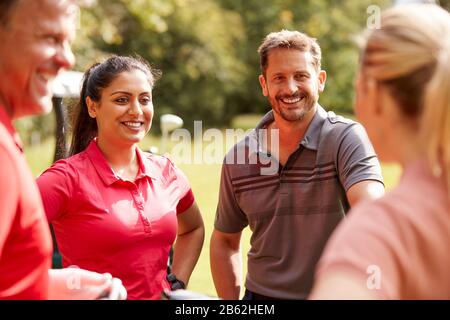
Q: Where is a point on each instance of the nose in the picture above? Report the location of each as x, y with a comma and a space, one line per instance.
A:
65, 56
135, 108
292, 86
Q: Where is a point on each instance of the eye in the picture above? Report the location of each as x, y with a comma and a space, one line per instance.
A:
122, 100
145, 100
278, 78
52, 39
301, 76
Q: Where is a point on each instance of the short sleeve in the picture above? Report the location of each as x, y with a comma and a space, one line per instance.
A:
356, 158
229, 216
186, 195
9, 195
368, 246
56, 193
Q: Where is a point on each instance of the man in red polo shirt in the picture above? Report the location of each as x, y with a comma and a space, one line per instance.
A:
36, 37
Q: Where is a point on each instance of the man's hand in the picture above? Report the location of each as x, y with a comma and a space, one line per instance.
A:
79, 284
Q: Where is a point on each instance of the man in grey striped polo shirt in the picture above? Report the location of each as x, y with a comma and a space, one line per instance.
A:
291, 180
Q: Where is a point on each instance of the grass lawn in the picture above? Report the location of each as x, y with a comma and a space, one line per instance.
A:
205, 183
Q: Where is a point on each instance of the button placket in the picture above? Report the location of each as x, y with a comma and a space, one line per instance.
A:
139, 202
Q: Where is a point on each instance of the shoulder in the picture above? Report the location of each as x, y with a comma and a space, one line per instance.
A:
9, 168
390, 226
373, 220
338, 131
11, 187
336, 125
242, 151
420, 197
70, 167
402, 210
157, 161
75, 162
12, 162
248, 142
7, 144
393, 224
8, 156
338, 120
162, 168
372, 223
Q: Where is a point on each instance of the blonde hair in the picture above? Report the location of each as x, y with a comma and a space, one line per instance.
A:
410, 55
289, 40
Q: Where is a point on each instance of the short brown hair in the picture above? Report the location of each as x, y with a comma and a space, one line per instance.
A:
289, 40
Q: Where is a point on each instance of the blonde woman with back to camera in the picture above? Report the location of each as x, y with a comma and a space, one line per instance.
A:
397, 247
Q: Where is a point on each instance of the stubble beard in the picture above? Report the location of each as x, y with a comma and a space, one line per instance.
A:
309, 101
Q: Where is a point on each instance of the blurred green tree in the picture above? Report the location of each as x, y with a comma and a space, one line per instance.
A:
207, 50
193, 42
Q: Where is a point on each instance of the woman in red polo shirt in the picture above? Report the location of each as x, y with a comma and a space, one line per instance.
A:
115, 208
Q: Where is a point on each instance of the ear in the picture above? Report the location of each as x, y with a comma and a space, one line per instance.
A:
367, 104
374, 96
322, 78
262, 82
92, 107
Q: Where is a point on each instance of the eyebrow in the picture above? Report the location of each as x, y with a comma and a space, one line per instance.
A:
295, 72
128, 93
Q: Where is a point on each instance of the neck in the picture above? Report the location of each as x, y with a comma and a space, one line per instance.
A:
404, 144
119, 157
292, 132
410, 152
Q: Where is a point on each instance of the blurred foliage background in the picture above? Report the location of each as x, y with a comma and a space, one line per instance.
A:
207, 50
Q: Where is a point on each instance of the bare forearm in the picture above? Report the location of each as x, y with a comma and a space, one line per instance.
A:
365, 190
226, 269
186, 253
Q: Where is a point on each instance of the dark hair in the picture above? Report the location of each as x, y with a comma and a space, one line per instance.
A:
5, 10
98, 77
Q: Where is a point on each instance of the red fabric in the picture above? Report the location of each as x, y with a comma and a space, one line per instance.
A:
105, 224
25, 241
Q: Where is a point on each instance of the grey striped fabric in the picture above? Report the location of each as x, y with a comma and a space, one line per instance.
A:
293, 211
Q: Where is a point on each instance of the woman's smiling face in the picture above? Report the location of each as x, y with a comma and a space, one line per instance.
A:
125, 111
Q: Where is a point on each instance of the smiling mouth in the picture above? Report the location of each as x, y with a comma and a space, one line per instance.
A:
45, 80
292, 100
47, 76
133, 124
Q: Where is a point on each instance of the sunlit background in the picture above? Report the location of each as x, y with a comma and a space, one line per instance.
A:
207, 51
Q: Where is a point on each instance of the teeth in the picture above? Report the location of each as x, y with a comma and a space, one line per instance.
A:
133, 124
47, 76
292, 100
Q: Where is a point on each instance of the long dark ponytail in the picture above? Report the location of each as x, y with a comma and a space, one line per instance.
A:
84, 127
